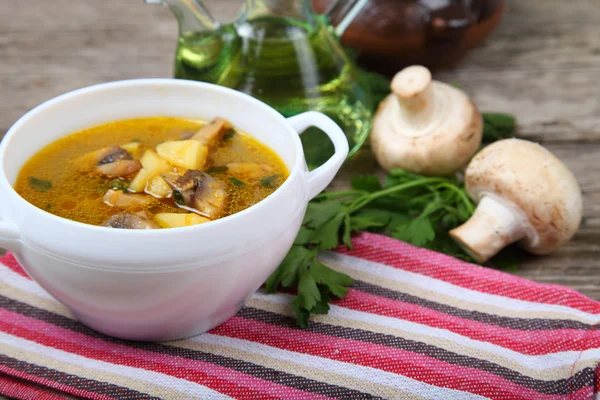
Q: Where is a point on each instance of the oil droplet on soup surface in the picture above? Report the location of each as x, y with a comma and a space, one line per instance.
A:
78, 195
155, 210
68, 205
93, 196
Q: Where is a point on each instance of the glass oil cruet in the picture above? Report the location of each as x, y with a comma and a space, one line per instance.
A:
283, 53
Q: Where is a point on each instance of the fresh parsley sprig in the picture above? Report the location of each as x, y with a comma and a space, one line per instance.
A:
419, 210
498, 126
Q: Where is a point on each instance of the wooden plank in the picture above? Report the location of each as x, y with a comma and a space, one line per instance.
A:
539, 65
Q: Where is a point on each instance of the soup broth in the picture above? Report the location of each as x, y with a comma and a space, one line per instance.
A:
154, 169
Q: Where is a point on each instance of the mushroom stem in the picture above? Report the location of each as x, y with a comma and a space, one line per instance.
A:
419, 103
495, 224
416, 98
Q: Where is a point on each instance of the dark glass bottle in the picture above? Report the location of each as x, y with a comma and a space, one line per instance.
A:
392, 34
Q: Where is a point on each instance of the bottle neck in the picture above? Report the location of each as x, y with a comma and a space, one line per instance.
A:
191, 15
341, 13
297, 9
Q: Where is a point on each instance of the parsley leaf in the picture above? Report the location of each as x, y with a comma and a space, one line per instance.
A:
178, 197
315, 282
308, 291
378, 85
236, 182
319, 213
346, 237
217, 169
498, 126
270, 182
418, 232
398, 220
328, 234
228, 135
367, 183
301, 313
39, 184
336, 282
322, 307
508, 259
305, 236
287, 274
117, 184
369, 218
365, 224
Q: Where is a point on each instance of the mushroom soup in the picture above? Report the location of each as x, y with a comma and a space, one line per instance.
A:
151, 173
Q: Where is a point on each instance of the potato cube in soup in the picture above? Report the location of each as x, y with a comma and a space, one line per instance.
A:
158, 188
116, 198
133, 148
174, 220
138, 184
154, 164
189, 154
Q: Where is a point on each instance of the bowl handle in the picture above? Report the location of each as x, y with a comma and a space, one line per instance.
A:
321, 177
9, 236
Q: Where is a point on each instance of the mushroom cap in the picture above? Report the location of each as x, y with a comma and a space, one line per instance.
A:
534, 180
425, 127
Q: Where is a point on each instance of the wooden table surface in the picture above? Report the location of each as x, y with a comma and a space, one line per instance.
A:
542, 64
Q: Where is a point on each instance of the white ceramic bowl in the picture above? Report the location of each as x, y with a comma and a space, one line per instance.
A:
159, 284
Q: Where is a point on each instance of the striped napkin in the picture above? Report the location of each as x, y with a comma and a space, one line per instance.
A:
416, 325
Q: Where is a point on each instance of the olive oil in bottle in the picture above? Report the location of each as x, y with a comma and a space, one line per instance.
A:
290, 60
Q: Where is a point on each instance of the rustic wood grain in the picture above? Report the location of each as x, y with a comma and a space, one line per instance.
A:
542, 65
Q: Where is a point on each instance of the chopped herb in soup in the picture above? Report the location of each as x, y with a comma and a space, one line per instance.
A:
151, 173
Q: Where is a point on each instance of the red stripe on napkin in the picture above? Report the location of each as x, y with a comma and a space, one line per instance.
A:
403, 256
22, 389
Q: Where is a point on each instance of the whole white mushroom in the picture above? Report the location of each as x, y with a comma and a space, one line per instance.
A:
524, 194
425, 127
